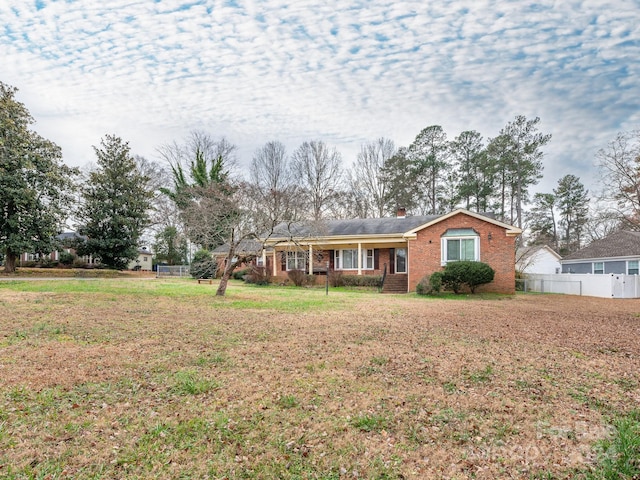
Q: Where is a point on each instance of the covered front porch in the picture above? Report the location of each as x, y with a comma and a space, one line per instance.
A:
352, 258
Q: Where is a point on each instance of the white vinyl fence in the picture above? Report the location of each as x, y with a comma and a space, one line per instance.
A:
612, 285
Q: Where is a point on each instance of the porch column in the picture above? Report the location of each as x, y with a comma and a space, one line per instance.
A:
310, 259
359, 258
275, 272
264, 259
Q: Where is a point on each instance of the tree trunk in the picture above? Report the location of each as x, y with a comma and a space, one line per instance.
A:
222, 287
9, 262
229, 267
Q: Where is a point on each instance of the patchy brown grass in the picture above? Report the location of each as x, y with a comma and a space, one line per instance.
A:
164, 380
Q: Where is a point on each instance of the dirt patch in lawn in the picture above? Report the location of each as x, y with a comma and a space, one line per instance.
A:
370, 387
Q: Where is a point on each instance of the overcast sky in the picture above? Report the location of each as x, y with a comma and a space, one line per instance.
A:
341, 71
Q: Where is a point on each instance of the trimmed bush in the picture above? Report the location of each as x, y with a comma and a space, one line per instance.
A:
436, 281
472, 274
361, 280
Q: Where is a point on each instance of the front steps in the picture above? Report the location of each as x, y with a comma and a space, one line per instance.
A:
397, 283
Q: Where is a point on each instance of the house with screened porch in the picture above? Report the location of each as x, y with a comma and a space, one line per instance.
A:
403, 248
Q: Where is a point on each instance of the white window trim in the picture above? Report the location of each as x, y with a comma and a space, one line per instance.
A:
406, 260
297, 256
593, 268
637, 268
339, 256
443, 247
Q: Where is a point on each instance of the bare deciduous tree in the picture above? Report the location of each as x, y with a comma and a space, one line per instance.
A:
368, 184
319, 172
619, 165
272, 185
214, 216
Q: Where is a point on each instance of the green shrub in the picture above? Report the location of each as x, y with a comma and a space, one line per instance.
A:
67, 258
436, 281
472, 274
361, 280
240, 274
203, 265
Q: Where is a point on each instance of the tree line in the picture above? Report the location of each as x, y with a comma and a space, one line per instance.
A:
196, 193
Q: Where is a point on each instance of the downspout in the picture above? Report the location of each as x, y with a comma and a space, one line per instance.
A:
408, 267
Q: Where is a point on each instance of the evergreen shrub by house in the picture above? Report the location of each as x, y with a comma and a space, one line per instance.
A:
456, 275
339, 279
361, 280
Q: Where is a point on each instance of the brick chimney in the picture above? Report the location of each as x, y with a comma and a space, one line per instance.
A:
402, 212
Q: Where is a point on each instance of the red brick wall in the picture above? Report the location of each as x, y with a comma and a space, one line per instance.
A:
498, 253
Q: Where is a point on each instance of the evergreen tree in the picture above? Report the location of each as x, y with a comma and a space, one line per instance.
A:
429, 160
114, 208
35, 187
402, 191
499, 156
524, 159
542, 220
573, 204
475, 173
170, 247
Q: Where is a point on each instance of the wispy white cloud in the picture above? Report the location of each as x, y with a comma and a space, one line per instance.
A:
343, 72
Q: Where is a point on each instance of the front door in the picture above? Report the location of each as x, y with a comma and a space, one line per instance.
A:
401, 260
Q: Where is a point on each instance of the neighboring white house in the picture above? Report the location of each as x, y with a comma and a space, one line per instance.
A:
538, 259
143, 262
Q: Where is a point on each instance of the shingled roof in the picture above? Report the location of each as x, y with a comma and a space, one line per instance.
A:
357, 226
621, 244
368, 226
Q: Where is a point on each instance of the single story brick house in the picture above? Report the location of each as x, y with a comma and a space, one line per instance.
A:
616, 253
406, 247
